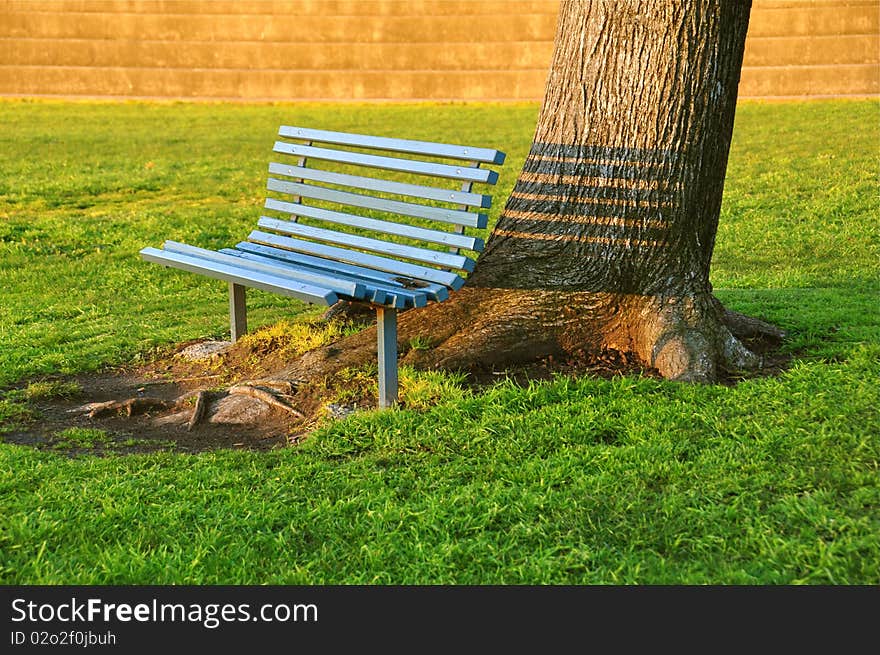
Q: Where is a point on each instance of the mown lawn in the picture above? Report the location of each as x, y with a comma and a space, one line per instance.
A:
630, 480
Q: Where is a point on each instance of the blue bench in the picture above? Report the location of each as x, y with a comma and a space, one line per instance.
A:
348, 220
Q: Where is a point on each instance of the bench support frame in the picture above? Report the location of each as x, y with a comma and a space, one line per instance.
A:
237, 311
386, 323
386, 335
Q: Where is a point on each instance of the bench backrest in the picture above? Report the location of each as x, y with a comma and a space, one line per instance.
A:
395, 206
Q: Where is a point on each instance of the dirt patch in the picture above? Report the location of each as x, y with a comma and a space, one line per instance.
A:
63, 424
145, 432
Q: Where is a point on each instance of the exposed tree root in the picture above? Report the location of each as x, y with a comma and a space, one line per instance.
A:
689, 338
694, 338
278, 387
272, 393
130, 407
265, 396
198, 410
353, 312
748, 327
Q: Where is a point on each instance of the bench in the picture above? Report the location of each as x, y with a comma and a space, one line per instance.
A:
348, 220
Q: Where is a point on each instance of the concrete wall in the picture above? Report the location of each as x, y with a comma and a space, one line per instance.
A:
380, 49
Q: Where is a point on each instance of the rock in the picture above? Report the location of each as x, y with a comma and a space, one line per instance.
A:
204, 350
241, 410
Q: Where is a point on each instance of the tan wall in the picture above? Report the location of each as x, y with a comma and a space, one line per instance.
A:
380, 49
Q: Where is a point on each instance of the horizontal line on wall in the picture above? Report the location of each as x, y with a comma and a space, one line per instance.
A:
269, 99
308, 44
268, 14
549, 40
353, 71
788, 67
401, 101
818, 96
801, 37
360, 71
392, 16
756, 8
182, 42
292, 43
813, 37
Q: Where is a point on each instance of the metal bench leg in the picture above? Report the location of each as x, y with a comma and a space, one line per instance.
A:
237, 311
386, 320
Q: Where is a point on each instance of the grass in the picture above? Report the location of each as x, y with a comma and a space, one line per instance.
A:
81, 438
587, 481
45, 389
14, 415
75, 441
292, 338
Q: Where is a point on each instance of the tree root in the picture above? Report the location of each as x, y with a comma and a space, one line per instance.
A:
199, 410
748, 327
692, 338
131, 407
352, 312
278, 387
267, 397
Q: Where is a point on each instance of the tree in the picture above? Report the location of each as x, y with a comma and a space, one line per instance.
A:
607, 239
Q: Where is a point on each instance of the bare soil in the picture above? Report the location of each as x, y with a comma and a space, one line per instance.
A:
143, 432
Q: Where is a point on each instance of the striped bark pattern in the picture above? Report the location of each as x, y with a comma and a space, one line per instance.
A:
621, 191
587, 218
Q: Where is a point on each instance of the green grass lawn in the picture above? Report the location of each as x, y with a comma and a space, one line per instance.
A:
630, 480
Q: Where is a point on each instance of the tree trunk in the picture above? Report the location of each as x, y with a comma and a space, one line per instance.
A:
607, 238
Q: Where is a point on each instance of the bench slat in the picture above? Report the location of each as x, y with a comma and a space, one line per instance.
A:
372, 293
264, 281
377, 292
454, 216
387, 186
434, 291
415, 297
415, 271
463, 173
484, 155
377, 225
435, 257
334, 283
